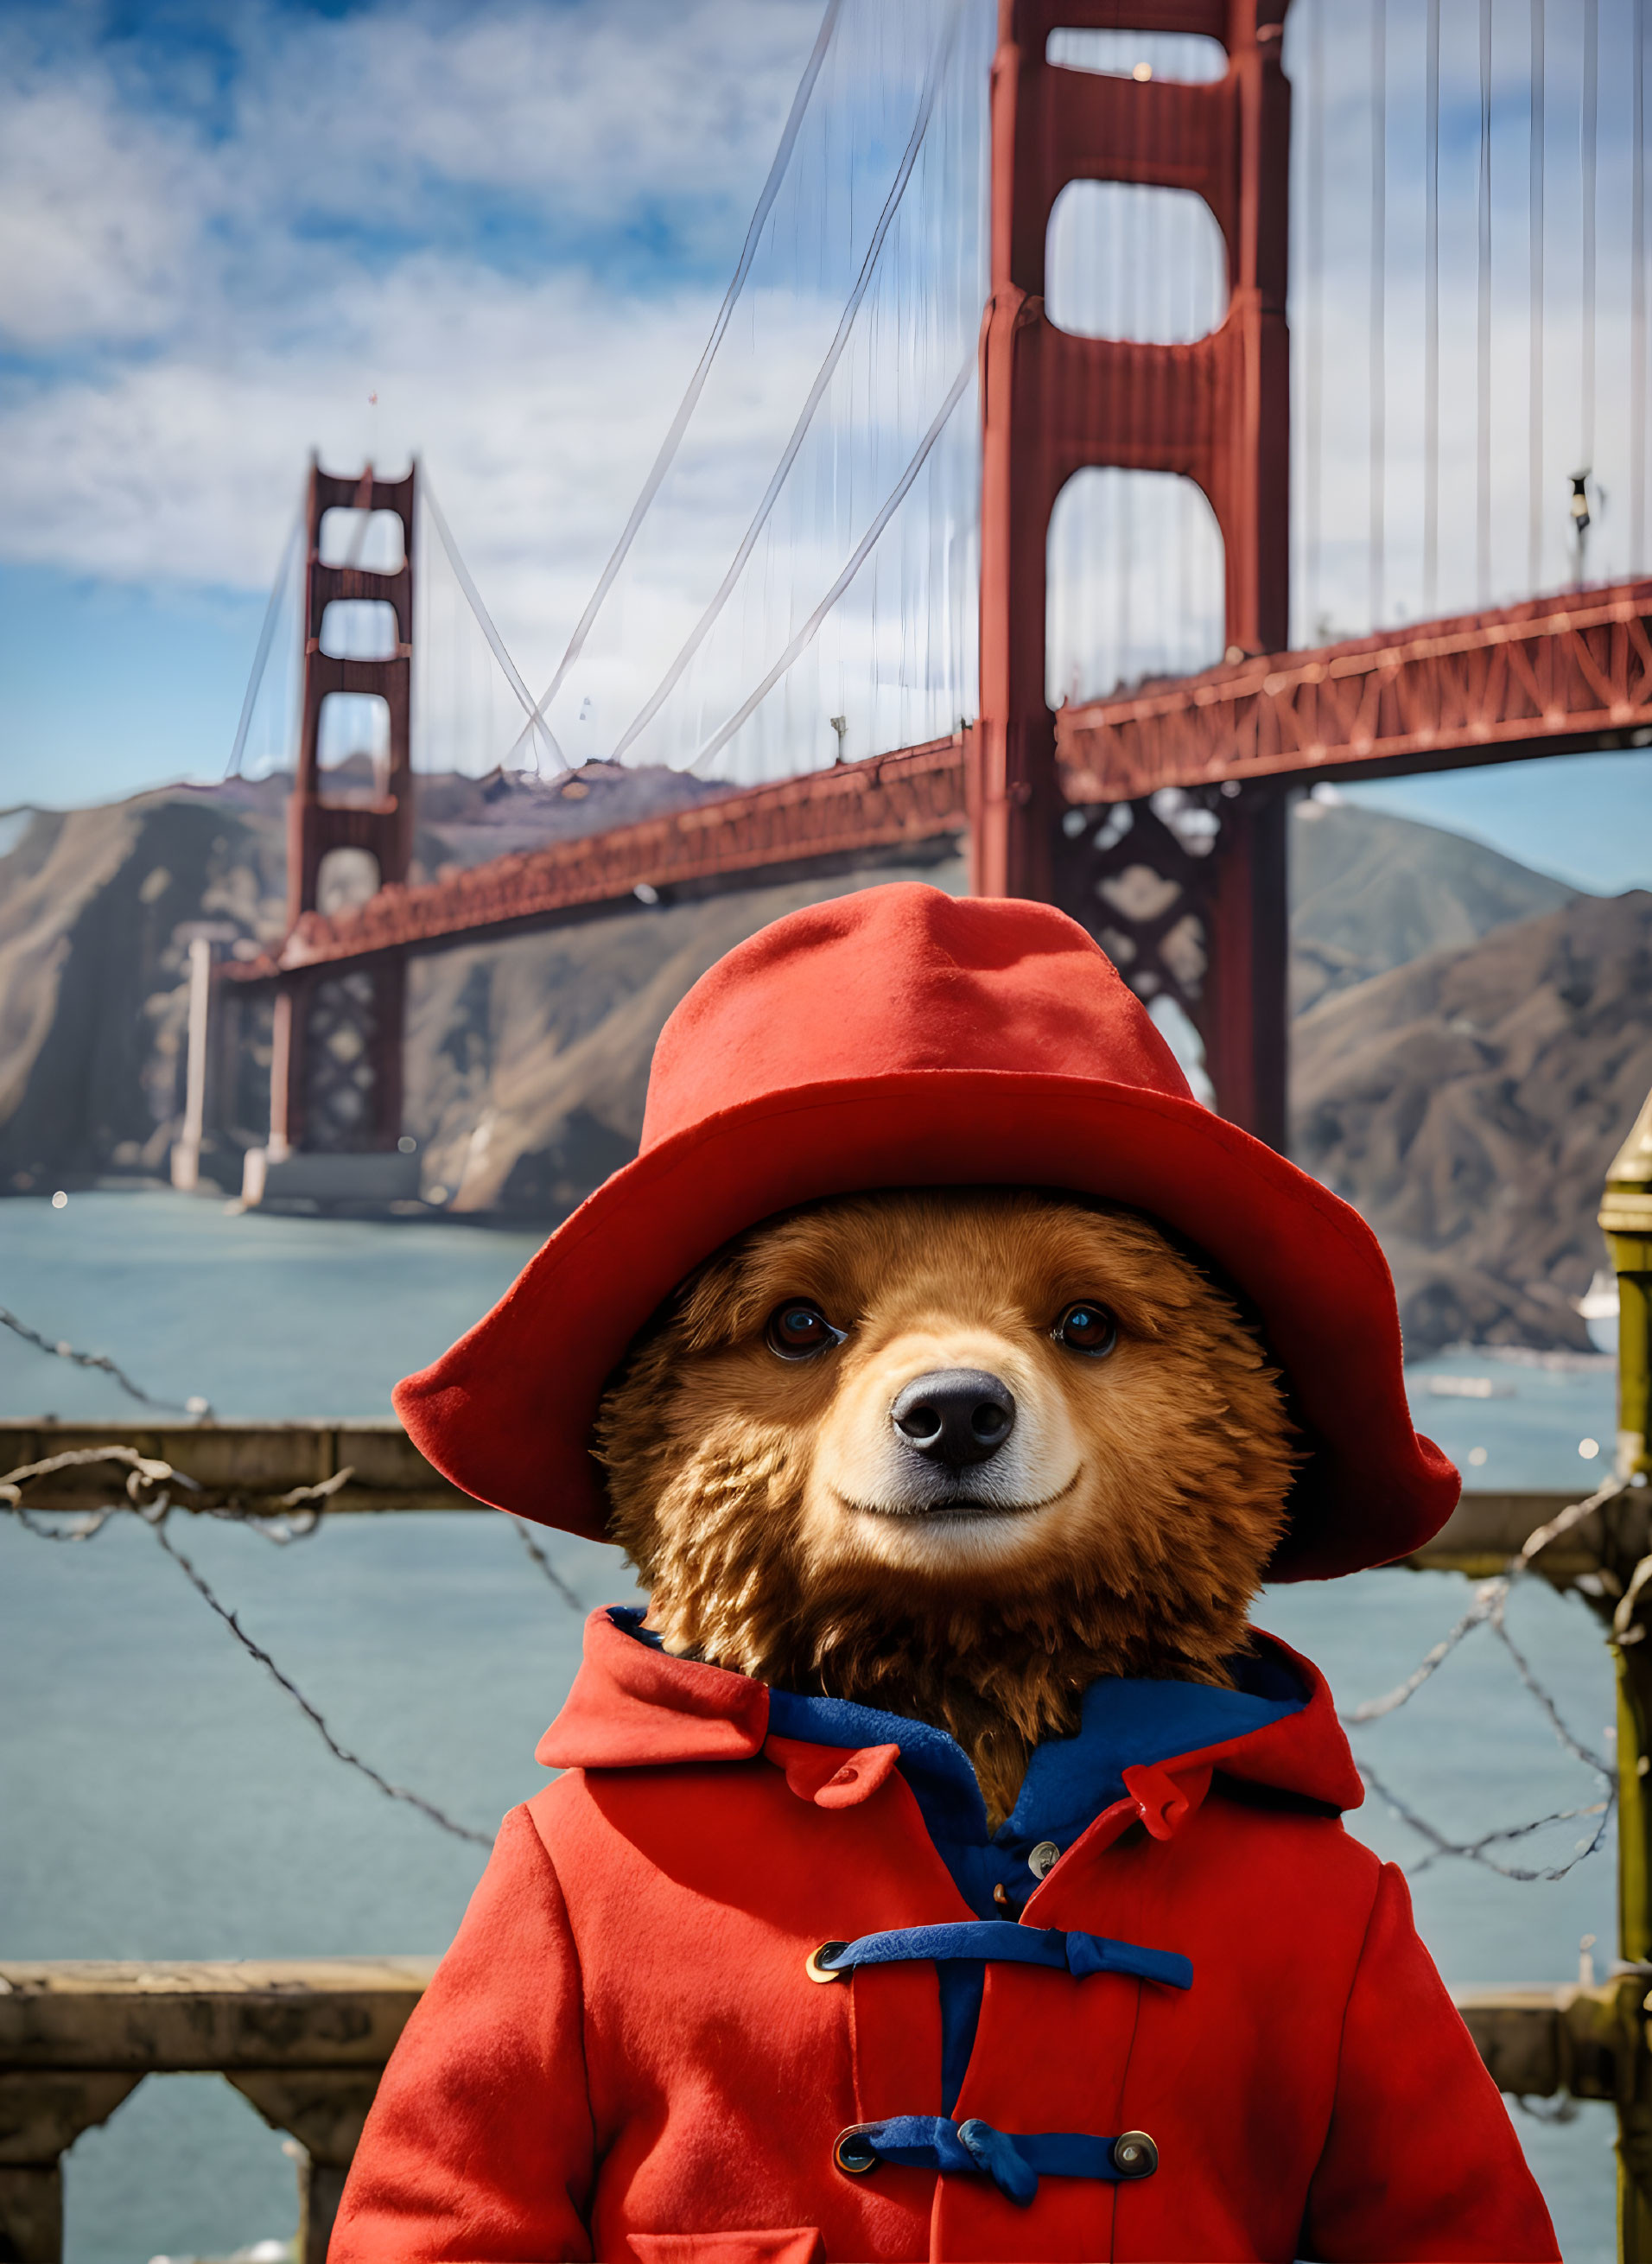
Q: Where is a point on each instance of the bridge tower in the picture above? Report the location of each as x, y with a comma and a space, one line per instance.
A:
1200, 913
335, 1072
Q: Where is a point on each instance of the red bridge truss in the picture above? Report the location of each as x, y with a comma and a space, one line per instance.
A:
1541, 677
1547, 676
853, 809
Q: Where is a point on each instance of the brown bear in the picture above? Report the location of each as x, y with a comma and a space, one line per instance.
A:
943, 1865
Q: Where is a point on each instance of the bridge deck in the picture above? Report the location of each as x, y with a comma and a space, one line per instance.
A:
1546, 677
1550, 676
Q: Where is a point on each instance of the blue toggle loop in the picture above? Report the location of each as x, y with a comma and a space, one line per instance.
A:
997, 2154
1001, 1942
1013, 2160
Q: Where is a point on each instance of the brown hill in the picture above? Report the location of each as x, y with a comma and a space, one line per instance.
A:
1369, 892
93, 972
1468, 1105
93, 981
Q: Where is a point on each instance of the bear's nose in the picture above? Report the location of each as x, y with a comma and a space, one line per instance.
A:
957, 1416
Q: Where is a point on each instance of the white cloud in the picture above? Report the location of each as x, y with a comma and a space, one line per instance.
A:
95, 227
512, 227
205, 303
512, 223
129, 213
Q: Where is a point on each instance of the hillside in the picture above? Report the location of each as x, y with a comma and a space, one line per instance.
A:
1468, 1105
93, 967
1369, 892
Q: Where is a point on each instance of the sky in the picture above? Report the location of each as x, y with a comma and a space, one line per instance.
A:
224, 229
497, 234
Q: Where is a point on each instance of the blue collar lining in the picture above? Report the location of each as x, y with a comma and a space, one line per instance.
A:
1125, 1723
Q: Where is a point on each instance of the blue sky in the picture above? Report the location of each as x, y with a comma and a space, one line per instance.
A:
225, 230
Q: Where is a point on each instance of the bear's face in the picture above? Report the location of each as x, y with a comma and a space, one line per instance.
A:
992, 1440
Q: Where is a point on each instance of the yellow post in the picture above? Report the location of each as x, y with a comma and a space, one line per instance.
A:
1626, 1219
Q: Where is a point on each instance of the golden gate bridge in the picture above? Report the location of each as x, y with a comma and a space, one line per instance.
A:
1038, 521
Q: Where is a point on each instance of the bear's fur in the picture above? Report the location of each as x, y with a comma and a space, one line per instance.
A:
1124, 1530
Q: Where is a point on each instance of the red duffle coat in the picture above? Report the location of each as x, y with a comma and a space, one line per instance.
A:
623, 2055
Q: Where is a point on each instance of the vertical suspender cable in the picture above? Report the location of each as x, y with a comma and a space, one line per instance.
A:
869, 269
1638, 560
1586, 152
702, 371
1535, 391
1313, 432
1482, 415
260, 658
1130, 329
1379, 279
1430, 321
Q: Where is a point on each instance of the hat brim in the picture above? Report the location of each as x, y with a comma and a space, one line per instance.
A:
507, 1413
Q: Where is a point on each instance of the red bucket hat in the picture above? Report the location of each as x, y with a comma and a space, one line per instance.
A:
901, 1037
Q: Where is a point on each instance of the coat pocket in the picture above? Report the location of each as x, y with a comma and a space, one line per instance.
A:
798, 2245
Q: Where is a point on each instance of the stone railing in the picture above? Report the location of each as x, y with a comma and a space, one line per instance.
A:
306, 2040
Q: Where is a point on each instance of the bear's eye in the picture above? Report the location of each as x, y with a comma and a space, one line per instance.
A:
797, 1329
1087, 1327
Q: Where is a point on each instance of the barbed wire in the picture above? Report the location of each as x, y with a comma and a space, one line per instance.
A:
1474, 1850
574, 1602
147, 1474
1488, 1598
1490, 1609
60, 1350
313, 1714
148, 1489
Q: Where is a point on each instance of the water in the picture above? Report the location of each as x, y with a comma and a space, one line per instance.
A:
163, 1799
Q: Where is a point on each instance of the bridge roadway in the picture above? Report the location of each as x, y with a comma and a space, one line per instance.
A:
1551, 675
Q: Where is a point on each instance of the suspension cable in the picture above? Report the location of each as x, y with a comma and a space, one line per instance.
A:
721, 738
1637, 297
1587, 154
1430, 323
702, 369
536, 723
1379, 279
697, 636
1534, 401
1482, 356
1314, 222
266, 635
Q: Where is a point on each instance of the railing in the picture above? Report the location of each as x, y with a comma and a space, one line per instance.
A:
305, 2040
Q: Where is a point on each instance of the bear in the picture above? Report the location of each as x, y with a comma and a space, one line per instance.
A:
943, 1864
841, 1512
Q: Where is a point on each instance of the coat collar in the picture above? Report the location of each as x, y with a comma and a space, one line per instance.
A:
634, 1705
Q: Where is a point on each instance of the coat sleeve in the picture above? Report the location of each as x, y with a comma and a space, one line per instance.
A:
478, 2147
1420, 2161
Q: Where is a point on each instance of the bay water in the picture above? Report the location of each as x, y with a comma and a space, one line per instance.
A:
160, 1797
